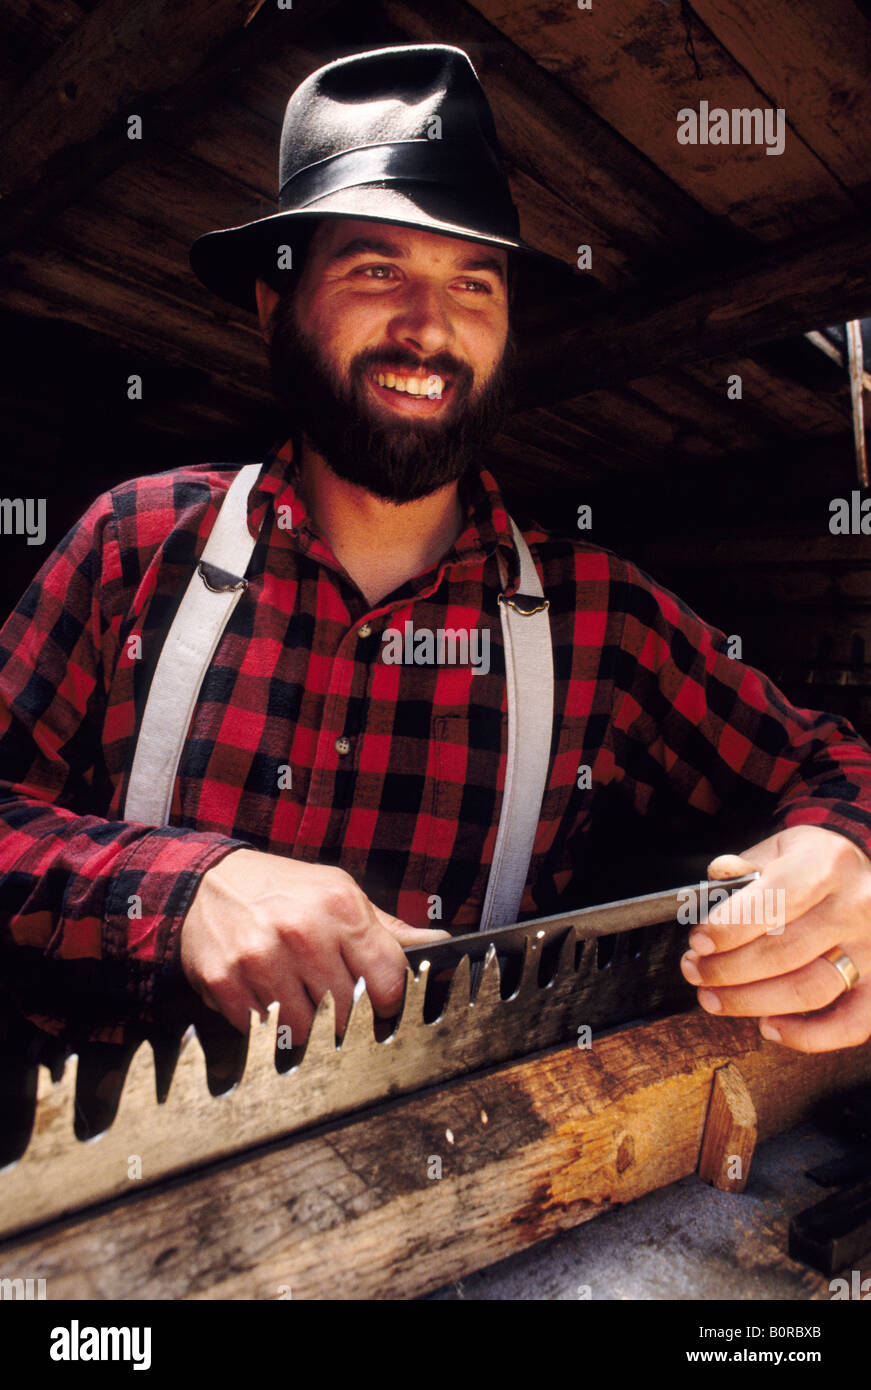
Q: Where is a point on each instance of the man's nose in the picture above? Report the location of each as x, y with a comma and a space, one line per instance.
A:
422, 319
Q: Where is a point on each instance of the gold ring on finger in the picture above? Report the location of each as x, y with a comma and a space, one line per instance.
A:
845, 967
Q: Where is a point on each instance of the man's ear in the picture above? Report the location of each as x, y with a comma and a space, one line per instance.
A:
267, 299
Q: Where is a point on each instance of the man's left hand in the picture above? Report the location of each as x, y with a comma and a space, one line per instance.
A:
760, 954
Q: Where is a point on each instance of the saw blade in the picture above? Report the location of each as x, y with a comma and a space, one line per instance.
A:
580, 985
605, 919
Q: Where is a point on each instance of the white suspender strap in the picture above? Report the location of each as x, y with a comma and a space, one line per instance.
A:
213, 592
529, 675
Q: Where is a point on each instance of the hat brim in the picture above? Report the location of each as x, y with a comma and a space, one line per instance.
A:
548, 293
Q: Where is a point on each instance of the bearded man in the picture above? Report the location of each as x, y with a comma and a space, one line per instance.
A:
323, 801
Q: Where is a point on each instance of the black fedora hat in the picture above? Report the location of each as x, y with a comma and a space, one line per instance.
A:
402, 135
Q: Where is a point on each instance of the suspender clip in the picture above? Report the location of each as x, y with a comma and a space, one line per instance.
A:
220, 581
526, 604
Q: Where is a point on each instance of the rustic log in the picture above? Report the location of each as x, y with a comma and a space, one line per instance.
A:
361, 1209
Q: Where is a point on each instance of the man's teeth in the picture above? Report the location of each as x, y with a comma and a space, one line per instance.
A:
431, 386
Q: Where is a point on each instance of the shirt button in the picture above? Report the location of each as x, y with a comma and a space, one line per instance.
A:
343, 746
364, 630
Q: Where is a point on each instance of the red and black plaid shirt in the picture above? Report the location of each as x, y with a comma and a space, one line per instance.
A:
395, 771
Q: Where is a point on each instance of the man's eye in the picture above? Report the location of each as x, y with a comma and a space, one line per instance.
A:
377, 272
478, 286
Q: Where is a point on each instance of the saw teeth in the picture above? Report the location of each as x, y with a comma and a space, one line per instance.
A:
527, 985
411, 1013
489, 990
456, 1004
321, 1040
99, 1087
360, 1028
261, 1041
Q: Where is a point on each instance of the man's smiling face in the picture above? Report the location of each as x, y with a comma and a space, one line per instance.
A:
391, 353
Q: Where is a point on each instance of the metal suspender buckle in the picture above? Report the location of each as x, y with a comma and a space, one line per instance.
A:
220, 581
526, 604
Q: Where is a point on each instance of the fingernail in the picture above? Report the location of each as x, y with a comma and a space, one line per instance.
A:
701, 944
769, 1031
690, 969
710, 1001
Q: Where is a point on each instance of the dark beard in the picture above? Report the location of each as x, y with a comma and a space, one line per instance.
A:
400, 460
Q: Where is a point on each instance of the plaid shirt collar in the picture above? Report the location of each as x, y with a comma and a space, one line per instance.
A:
487, 525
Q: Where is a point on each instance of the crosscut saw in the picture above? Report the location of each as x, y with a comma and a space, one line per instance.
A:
513, 991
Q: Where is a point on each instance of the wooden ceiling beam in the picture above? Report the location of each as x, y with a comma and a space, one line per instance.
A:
788, 289
815, 61
628, 61
67, 126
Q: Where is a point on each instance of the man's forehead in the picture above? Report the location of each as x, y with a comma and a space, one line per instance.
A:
346, 237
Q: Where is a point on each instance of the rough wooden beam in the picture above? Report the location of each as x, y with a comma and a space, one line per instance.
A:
628, 60
118, 55
174, 329
816, 62
824, 278
67, 127
425, 1190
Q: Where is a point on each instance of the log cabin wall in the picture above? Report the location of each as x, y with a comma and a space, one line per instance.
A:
707, 263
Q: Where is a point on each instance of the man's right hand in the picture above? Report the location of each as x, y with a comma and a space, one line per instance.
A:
262, 927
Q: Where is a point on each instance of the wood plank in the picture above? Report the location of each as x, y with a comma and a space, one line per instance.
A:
226, 135
173, 197
824, 278
817, 61
567, 444
730, 1132
264, 86
527, 471
627, 60
798, 480
703, 412
157, 60
356, 1211
622, 414
116, 57
550, 223
795, 410
48, 284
